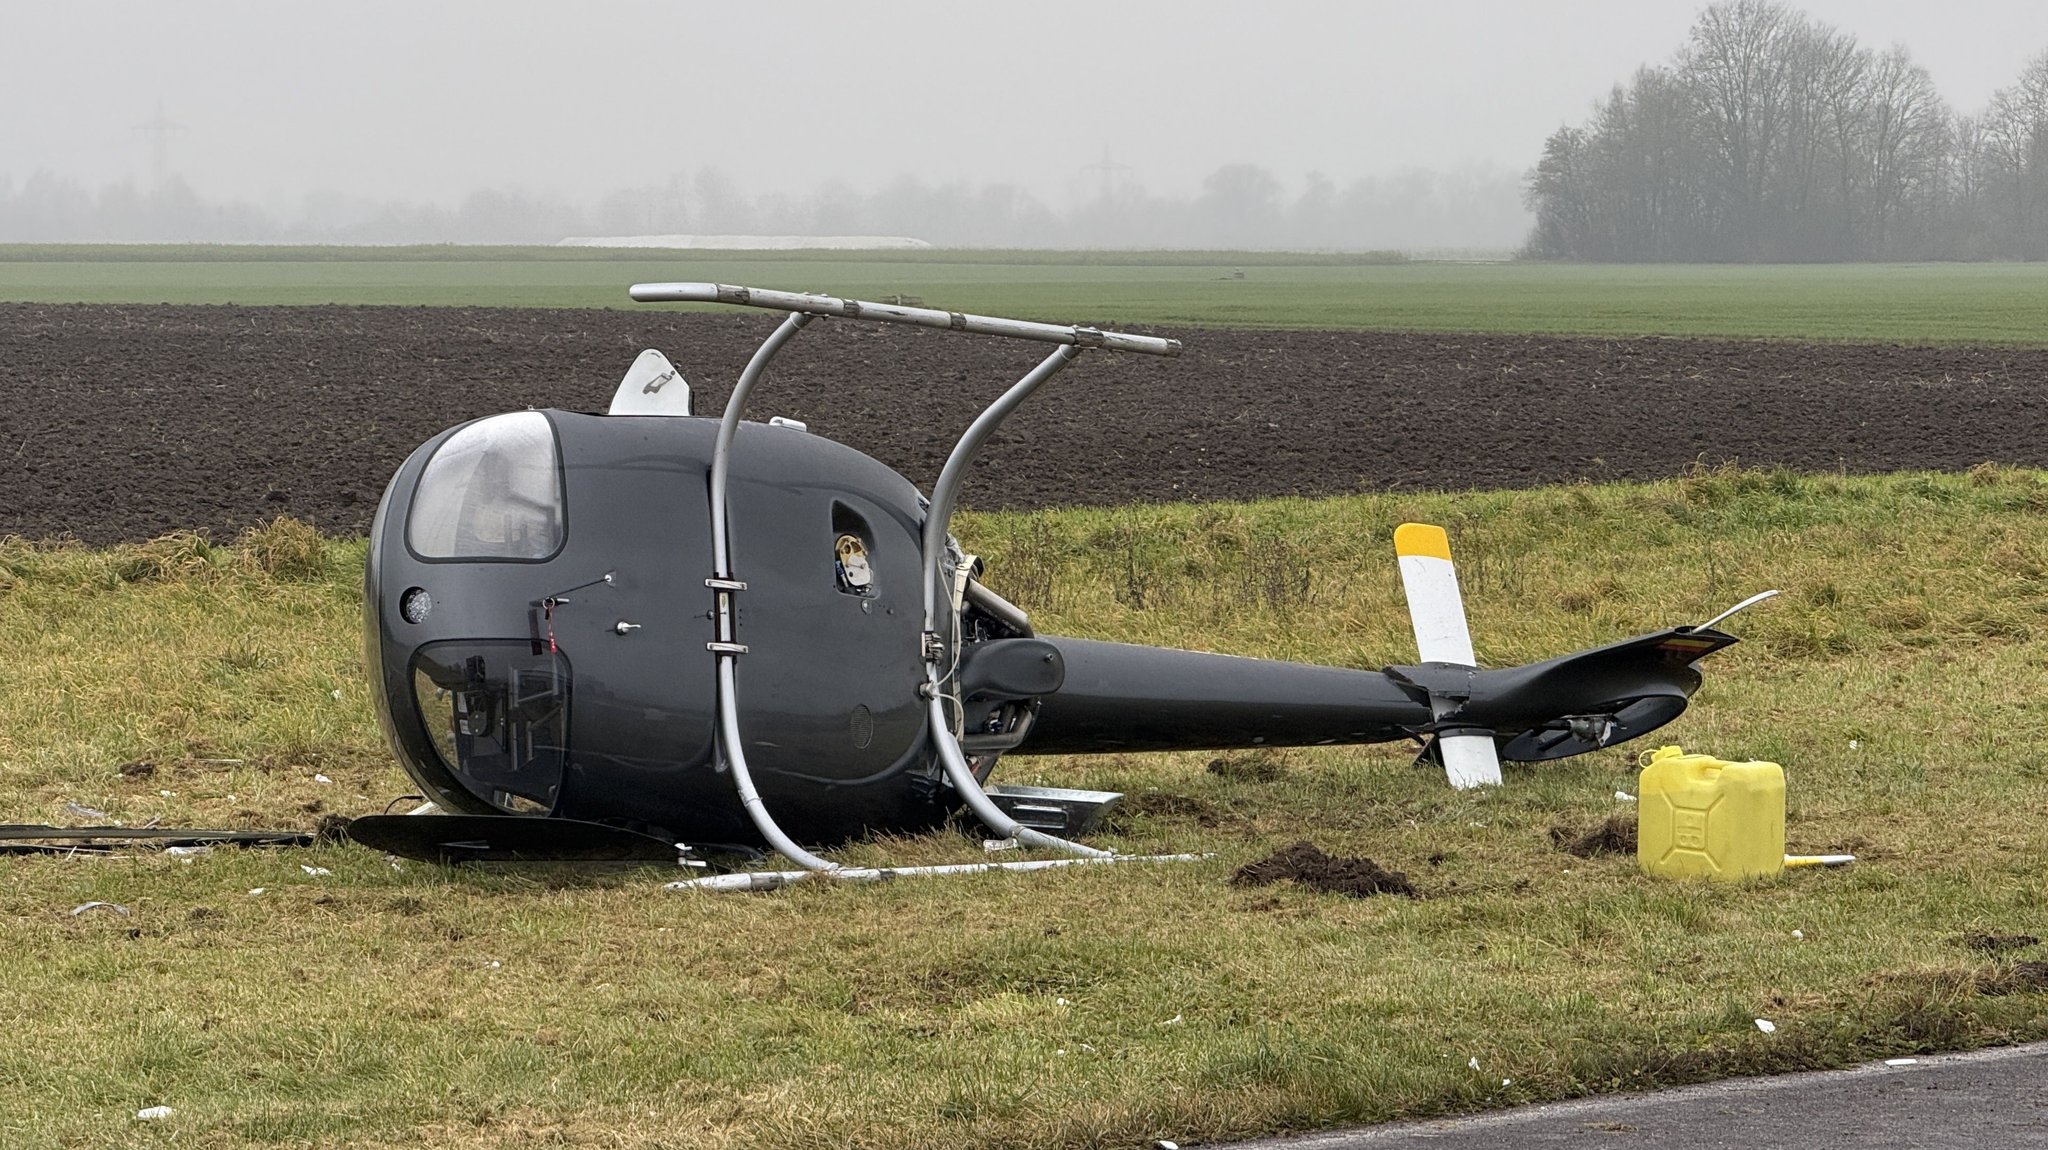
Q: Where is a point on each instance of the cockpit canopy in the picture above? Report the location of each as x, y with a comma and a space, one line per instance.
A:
493, 490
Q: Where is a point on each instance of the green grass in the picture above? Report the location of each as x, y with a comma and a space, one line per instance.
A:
403, 1005
1919, 303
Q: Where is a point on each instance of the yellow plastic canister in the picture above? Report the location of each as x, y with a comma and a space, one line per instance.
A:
1702, 817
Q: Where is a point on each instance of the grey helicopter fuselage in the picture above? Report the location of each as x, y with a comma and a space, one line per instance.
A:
537, 617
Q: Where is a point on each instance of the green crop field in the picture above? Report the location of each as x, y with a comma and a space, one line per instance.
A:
383, 1004
1919, 303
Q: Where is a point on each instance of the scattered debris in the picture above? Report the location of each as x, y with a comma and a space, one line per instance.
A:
1797, 934
1902, 1062
1767, 1026
994, 845
331, 829
138, 769
152, 1113
315, 871
188, 852
1307, 865
256, 890
1615, 836
323, 780
1174, 1021
1994, 943
1624, 797
1474, 1063
116, 907
81, 811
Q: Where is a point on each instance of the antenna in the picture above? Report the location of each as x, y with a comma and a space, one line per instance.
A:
160, 127
1107, 171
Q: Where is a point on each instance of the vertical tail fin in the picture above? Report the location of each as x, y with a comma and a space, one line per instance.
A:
1437, 610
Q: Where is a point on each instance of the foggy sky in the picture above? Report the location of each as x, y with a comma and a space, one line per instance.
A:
425, 102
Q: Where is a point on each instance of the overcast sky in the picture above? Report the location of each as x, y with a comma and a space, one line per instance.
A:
424, 101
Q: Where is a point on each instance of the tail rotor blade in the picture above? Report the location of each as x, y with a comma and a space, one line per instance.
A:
1437, 610
1435, 606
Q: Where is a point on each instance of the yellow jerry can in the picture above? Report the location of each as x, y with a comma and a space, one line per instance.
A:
1702, 817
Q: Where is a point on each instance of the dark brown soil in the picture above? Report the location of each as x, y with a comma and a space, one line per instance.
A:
2019, 978
1615, 836
1991, 943
123, 422
1305, 864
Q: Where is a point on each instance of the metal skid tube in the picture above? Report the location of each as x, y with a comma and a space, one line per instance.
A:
775, 879
825, 305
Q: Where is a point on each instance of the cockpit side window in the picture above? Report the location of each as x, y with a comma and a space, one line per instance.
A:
492, 491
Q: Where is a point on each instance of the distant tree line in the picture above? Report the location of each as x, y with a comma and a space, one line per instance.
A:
1240, 206
1771, 137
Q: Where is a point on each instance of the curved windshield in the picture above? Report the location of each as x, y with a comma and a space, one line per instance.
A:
492, 491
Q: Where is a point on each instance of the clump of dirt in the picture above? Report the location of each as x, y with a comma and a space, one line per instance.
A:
1615, 836
2022, 977
1259, 766
1164, 804
1305, 864
1994, 943
138, 769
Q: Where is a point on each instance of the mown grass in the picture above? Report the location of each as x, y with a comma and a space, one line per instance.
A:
1918, 303
390, 1005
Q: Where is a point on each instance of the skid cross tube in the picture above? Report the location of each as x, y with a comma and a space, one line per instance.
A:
726, 648
937, 583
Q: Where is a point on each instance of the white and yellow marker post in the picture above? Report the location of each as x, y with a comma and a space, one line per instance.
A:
1437, 610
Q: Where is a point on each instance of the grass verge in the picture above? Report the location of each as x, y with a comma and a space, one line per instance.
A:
389, 1005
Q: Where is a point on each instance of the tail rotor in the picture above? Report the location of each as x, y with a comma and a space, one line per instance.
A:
1437, 610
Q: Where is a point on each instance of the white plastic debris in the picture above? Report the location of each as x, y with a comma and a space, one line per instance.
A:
81, 908
1174, 1021
323, 780
994, 845
1855, 743
1061, 1002
1798, 934
1902, 1062
152, 1113
256, 890
1164, 1144
1624, 797
1767, 1026
167, 794
1507, 1082
336, 693
494, 964
188, 852
1474, 1064
81, 811
315, 871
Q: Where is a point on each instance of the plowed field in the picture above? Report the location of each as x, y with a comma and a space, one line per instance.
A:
123, 422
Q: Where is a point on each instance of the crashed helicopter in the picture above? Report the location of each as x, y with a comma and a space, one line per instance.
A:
609, 635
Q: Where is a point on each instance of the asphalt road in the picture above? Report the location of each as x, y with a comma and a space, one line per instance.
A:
1986, 1100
